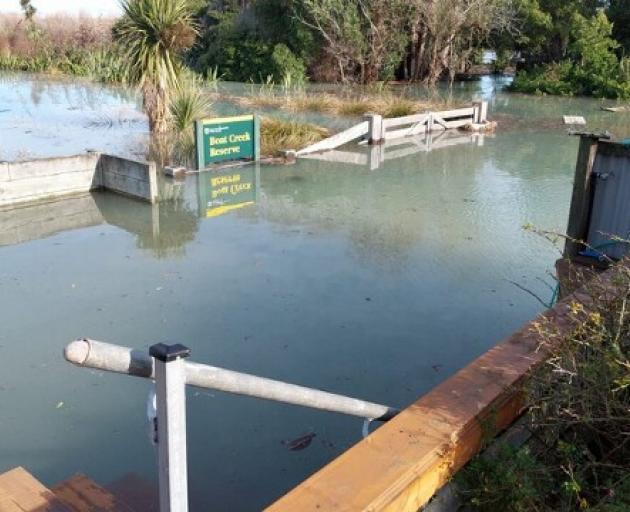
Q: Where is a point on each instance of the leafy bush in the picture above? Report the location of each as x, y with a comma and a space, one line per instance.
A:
251, 44
592, 68
579, 404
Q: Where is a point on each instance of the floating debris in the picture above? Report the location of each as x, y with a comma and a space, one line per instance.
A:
300, 443
616, 109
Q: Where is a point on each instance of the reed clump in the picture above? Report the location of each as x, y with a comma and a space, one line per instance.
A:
278, 135
386, 104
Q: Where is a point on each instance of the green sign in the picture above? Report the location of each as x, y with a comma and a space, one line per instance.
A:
227, 190
227, 138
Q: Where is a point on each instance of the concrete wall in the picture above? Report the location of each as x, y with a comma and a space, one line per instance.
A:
32, 180
129, 177
49, 178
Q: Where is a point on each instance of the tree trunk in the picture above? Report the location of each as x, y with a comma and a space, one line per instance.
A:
155, 99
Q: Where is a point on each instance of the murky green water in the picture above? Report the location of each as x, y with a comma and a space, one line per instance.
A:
378, 284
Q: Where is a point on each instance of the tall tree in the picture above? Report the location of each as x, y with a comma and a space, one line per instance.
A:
366, 38
619, 14
445, 33
154, 34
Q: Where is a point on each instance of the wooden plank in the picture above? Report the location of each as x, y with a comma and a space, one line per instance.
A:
581, 199
402, 464
392, 122
416, 129
337, 140
460, 112
138, 493
21, 491
437, 119
82, 494
7, 504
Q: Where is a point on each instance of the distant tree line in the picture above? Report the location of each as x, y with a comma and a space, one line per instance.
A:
347, 40
364, 41
571, 47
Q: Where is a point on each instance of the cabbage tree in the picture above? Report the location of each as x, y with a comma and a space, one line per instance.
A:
153, 35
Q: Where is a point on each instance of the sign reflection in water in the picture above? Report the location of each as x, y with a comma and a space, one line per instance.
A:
228, 189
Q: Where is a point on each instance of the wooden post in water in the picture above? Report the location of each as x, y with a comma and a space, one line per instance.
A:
480, 112
582, 198
375, 131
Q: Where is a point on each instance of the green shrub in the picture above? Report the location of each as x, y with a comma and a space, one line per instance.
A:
592, 68
512, 481
579, 404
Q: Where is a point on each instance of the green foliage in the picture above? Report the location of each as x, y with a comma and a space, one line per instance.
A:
154, 34
189, 103
591, 67
619, 14
103, 65
366, 40
252, 44
511, 481
579, 402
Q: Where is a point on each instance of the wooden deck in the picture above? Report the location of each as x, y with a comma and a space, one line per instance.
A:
22, 492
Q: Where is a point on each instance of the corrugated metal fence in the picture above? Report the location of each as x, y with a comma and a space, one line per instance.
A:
610, 211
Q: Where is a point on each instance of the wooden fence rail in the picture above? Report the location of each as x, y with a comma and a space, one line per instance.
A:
375, 129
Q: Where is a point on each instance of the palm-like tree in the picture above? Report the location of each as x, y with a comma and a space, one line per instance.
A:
153, 35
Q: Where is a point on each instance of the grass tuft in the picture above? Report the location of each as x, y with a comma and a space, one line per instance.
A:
278, 135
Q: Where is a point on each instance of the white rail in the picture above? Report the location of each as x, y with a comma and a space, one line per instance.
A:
376, 129
167, 366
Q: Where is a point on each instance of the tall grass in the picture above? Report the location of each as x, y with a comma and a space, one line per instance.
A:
385, 103
278, 135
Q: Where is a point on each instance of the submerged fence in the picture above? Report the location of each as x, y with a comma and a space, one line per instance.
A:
376, 129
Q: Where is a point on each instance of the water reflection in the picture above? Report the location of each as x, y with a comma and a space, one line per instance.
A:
164, 229
229, 189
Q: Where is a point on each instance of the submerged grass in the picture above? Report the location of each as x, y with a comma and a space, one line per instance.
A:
278, 135
386, 104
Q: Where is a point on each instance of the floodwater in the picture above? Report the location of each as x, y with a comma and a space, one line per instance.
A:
377, 281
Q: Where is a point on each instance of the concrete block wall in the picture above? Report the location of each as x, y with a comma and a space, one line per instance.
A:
50, 178
33, 180
129, 177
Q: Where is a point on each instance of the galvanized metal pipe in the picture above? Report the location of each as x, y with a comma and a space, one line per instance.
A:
114, 358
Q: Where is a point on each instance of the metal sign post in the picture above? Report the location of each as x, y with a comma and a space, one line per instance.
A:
170, 388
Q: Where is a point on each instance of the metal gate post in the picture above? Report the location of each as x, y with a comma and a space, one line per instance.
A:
170, 389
